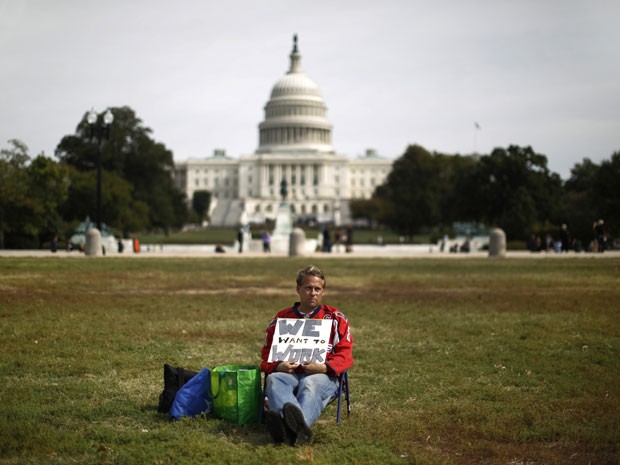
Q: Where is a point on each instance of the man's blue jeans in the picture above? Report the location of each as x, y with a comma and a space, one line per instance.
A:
311, 393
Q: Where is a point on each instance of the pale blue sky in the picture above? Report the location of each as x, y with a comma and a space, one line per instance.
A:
393, 73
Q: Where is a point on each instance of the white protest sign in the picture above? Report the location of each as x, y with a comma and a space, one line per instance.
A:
300, 340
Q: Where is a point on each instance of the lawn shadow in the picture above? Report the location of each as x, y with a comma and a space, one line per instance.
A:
254, 434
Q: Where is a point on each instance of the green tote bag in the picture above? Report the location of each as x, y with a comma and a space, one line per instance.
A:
237, 393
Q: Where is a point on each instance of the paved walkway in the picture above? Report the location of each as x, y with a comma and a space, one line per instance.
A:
359, 251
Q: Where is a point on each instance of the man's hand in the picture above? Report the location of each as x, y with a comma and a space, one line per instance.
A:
312, 368
287, 367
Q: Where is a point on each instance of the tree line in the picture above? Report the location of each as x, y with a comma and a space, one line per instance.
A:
42, 197
426, 192
511, 188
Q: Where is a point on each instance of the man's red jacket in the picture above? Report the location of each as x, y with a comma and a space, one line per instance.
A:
340, 349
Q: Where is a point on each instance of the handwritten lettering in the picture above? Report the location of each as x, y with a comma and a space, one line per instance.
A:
300, 340
301, 355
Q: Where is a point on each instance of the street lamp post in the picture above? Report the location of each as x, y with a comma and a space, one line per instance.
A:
99, 134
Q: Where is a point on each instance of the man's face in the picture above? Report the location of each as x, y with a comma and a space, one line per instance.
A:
310, 293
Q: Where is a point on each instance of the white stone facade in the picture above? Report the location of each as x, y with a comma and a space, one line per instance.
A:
294, 145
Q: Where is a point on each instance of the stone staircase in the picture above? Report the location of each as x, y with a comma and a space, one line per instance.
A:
227, 213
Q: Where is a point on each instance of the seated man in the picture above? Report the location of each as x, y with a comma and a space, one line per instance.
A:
297, 392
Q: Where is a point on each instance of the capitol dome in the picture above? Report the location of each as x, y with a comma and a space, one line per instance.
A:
295, 118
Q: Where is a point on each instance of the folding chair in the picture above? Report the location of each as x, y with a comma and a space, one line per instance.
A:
343, 385
343, 389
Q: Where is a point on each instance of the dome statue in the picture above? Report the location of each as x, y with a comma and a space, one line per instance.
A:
295, 118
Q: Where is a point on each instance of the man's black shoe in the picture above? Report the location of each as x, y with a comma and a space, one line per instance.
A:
291, 436
295, 421
275, 426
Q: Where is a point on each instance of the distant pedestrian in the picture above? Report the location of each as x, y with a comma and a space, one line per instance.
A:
599, 234
54, 244
444, 242
465, 247
266, 241
240, 239
349, 240
565, 238
548, 243
337, 237
327, 240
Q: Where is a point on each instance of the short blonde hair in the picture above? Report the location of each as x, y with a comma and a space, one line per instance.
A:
310, 270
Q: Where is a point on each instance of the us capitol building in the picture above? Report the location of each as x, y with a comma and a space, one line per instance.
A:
295, 150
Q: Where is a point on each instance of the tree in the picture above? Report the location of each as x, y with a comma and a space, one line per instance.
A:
200, 204
49, 184
510, 188
454, 176
132, 155
427, 190
30, 195
368, 210
117, 200
514, 190
593, 192
607, 192
579, 207
13, 185
412, 191
583, 176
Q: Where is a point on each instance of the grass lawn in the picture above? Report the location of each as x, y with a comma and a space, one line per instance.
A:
468, 361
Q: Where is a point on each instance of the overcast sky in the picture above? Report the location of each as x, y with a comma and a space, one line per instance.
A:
544, 73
